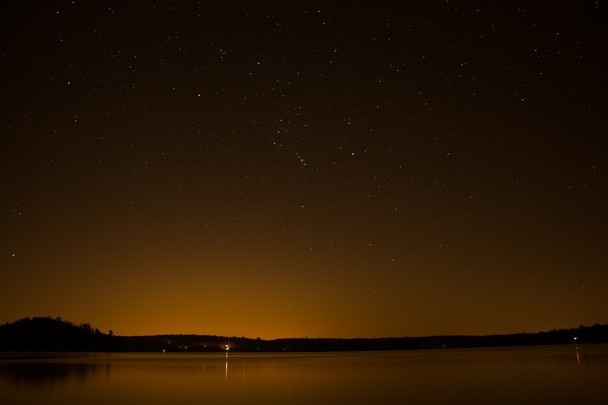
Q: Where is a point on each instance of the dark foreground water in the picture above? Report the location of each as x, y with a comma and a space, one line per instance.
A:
549, 374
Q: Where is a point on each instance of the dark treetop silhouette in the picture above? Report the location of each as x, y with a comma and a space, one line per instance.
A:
55, 334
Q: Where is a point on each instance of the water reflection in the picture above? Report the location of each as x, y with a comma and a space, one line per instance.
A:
522, 375
47, 374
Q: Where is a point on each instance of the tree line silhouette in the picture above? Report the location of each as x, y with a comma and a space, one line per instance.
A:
56, 334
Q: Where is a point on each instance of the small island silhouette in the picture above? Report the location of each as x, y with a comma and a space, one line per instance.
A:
56, 334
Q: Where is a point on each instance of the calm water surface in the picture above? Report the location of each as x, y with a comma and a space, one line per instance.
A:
557, 374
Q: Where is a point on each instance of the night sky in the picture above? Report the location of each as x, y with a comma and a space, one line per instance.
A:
305, 168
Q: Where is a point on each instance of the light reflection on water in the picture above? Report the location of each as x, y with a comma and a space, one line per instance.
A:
561, 374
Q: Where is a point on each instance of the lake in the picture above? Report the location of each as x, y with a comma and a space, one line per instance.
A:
544, 374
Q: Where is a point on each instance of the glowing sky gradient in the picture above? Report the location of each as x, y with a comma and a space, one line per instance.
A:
286, 169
